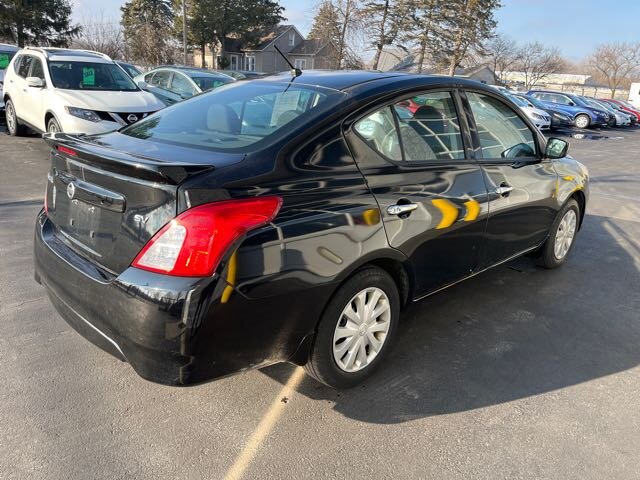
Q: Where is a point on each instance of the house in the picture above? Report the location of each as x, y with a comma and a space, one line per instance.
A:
482, 73
263, 56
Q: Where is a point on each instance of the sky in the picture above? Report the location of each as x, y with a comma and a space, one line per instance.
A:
575, 26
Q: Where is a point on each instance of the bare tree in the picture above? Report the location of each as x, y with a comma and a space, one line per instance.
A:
537, 62
502, 53
614, 63
101, 34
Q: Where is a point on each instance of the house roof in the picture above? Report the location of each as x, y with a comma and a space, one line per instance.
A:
272, 36
308, 47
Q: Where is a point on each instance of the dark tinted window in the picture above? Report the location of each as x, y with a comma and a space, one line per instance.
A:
236, 116
209, 83
503, 134
25, 65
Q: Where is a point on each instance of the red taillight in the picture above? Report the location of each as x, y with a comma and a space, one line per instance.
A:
194, 242
66, 151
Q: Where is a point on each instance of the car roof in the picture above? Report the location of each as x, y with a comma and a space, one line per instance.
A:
333, 79
192, 71
8, 46
71, 55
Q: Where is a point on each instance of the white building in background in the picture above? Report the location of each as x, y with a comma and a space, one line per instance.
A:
564, 82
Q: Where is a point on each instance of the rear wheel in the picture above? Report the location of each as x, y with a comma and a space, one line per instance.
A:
356, 331
561, 238
13, 127
583, 121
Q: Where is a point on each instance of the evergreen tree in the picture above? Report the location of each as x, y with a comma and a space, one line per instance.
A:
425, 27
468, 24
385, 20
39, 22
147, 28
326, 23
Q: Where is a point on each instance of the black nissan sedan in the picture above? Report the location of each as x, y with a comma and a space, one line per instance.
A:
292, 219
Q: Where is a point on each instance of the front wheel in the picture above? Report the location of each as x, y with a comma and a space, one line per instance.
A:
13, 127
561, 237
356, 330
53, 126
583, 121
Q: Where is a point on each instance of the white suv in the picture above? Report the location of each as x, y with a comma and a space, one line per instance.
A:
72, 91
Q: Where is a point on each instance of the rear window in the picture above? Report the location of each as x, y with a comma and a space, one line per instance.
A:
5, 58
236, 117
209, 83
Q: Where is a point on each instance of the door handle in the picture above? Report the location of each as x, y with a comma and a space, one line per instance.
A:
401, 208
503, 189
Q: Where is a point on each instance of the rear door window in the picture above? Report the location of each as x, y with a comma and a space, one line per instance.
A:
503, 134
379, 130
429, 127
161, 79
25, 65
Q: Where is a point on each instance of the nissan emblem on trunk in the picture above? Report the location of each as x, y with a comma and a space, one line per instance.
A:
132, 118
71, 190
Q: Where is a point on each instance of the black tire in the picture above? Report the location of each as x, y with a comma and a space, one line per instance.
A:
53, 126
547, 256
13, 127
321, 364
583, 118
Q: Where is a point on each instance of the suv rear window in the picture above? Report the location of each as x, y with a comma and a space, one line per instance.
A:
5, 58
235, 117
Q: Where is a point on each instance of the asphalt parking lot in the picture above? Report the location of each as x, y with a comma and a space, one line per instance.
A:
517, 373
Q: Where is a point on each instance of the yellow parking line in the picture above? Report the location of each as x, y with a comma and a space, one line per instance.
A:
264, 427
448, 210
473, 210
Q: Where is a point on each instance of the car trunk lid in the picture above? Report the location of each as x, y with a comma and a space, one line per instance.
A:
108, 195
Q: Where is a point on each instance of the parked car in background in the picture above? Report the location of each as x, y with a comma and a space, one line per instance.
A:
634, 95
131, 70
539, 117
174, 84
6, 54
624, 106
277, 221
559, 119
584, 116
243, 74
61, 90
618, 119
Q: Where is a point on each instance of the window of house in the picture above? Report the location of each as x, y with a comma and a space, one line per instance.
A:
503, 134
300, 63
292, 39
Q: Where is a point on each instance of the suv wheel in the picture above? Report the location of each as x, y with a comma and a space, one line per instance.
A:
561, 237
13, 127
356, 330
53, 126
583, 121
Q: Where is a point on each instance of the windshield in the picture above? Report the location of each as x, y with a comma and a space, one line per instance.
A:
90, 76
5, 58
209, 83
130, 69
237, 117
535, 102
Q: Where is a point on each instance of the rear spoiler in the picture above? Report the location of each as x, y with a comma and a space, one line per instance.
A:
115, 161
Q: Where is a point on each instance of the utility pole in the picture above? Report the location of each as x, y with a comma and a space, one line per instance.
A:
184, 31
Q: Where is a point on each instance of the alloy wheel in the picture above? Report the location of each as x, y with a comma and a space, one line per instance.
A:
362, 329
582, 121
10, 117
565, 234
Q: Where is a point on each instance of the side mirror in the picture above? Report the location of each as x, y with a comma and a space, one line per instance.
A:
142, 85
35, 82
556, 148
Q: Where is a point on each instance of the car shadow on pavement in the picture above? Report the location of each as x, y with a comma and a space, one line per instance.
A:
510, 333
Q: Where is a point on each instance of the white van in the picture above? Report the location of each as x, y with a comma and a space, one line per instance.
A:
634, 95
